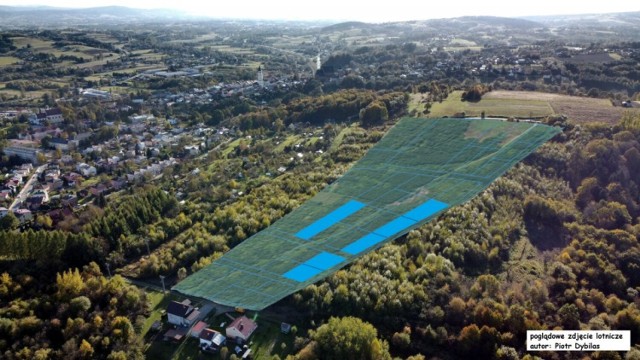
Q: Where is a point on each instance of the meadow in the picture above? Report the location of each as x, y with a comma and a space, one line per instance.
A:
527, 104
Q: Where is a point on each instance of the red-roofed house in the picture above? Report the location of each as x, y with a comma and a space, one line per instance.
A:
241, 328
197, 329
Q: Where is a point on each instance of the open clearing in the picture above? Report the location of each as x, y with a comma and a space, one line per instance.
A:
530, 104
492, 106
8, 60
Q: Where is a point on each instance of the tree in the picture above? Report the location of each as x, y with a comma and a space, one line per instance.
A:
44, 221
182, 273
375, 113
70, 284
86, 350
9, 222
569, 317
348, 338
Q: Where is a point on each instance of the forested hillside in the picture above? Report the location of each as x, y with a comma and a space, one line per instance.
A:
552, 244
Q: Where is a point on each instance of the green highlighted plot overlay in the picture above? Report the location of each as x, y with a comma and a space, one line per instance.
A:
419, 169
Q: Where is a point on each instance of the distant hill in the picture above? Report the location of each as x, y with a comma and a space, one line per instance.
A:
478, 23
349, 25
467, 24
611, 19
22, 16
593, 27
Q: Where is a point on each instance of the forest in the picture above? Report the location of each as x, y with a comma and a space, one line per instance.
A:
551, 245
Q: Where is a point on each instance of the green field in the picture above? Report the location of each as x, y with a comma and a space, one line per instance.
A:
419, 163
493, 107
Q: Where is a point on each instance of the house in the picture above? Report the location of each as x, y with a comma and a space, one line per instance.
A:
5, 195
197, 329
192, 149
52, 175
98, 190
96, 94
285, 328
3, 212
72, 179
23, 152
58, 215
182, 313
59, 144
13, 184
69, 200
241, 329
86, 170
53, 116
211, 339
117, 184
23, 215
35, 202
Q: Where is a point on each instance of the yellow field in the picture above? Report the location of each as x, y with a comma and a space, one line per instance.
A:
492, 107
8, 60
37, 45
527, 104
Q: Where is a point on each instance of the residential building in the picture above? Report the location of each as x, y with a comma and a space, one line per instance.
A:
23, 215
69, 200
197, 329
23, 152
52, 116
211, 339
59, 144
96, 94
182, 313
241, 329
86, 170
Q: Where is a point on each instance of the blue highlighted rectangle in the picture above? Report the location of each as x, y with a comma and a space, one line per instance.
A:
362, 244
324, 261
425, 210
330, 219
394, 226
302, 273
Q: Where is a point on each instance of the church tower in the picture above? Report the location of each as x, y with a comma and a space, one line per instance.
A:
260, 77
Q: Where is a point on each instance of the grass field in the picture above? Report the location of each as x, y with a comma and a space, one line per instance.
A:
37, 45
233, 50
577, 109
527, 104
492, 106
420, 168
8, 60
416, 103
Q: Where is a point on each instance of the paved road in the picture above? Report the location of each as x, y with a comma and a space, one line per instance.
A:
26, 189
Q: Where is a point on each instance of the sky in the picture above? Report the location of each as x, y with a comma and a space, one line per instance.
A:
370, 11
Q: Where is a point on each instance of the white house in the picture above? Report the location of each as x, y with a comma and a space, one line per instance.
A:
86, 170
3, 212
241, 328
211, 339
23, 214
192, 149
53, 116
182, 314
